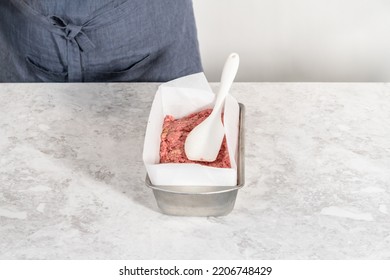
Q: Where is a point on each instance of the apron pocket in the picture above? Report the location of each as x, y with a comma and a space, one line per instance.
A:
44, 74
127, 74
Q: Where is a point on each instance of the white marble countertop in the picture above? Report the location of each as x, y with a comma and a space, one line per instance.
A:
317, 176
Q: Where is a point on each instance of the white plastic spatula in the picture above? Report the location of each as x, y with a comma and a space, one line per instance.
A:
204, 141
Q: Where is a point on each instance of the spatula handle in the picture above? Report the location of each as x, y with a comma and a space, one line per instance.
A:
228, 74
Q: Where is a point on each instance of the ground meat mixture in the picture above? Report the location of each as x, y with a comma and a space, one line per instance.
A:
174, 135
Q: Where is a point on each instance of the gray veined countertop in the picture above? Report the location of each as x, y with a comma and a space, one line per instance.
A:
317, 176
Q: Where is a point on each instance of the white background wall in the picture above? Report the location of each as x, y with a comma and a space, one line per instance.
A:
296, 40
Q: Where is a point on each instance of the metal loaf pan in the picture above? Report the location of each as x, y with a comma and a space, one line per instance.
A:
203, 200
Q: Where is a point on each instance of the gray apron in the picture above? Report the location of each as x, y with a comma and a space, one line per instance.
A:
97, 40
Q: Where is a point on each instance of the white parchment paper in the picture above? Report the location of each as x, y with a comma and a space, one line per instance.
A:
180, 98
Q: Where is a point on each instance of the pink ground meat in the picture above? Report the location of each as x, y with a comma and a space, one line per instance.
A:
174, 135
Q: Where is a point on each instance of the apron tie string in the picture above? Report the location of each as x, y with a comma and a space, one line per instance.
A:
76, 42
73, 32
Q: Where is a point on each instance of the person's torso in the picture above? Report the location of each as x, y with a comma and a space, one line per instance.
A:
91, 40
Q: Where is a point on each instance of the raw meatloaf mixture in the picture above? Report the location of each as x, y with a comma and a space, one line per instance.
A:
174, 135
